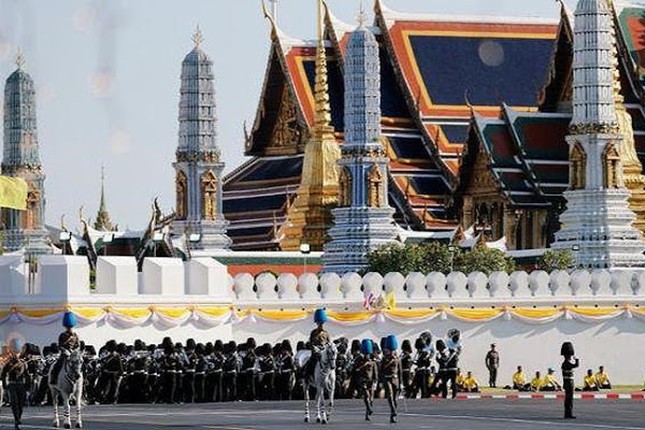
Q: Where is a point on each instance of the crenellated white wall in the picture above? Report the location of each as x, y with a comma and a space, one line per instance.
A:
618, 343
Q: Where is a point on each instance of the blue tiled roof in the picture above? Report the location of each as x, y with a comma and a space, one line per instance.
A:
458, 65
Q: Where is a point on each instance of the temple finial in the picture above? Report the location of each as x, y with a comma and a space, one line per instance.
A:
361, 15
198, 38
20, 59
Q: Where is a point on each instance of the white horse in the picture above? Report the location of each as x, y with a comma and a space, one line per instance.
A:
68, 383
324, 381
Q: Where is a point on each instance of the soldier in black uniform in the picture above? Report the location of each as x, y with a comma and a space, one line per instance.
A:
190, 367
568, 365
266, 375
407, 362
230, 370
249, 371
422, 373
169, 367
14, 377
391, 374
286, 367
138, 366
215, 373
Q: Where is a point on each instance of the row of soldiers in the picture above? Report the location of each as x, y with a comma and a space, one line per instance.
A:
219, 372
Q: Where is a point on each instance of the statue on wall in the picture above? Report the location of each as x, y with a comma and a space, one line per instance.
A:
209, 195
182, 197
375, 195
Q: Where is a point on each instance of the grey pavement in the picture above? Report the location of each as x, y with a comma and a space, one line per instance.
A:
349, 415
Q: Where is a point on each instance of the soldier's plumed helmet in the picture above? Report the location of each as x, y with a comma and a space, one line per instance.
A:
406, 346
233, 345
199, 349
110, 345
567, 349
367, 346
54, 348
427, 337
210, 348
90, 350
320, 316
251, 344
122, 348
166, 341
300, 346
69, 320
152, 348
47, 350
419, 344
218, 346
138, 345
286, 345
190, 344
440, 345
356, 345
168, 349
382, 342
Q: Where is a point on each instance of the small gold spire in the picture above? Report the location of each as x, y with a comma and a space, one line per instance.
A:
198, 38
20, 59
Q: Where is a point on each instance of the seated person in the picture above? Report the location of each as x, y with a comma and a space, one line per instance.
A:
536, 383
470, 384
602, 379
590, 383
460, 380
519, 380
549, 383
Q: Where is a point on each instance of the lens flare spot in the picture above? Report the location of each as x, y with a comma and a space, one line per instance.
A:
101, 83
491, 53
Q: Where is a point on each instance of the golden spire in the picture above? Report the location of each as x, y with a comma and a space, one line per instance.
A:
322, 128
309, 217
197, 36
20, 59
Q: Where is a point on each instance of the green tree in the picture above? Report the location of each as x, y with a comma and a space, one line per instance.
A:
560, 259
483, 259
408, 258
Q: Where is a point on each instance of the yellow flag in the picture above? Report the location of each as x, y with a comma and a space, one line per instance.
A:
13, 193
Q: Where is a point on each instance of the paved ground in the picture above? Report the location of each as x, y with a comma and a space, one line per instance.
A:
431, 415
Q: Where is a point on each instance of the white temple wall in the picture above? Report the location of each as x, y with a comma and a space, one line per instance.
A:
270, 310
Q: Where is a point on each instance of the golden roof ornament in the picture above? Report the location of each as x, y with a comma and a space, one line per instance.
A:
198, 38
361, 15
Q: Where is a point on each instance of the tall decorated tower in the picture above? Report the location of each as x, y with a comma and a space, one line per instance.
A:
199, 167
309, 217
23, 229
363, 220
598, 223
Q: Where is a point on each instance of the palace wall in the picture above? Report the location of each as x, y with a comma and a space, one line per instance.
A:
528, 316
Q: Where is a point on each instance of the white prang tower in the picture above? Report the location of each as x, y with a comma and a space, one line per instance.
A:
199, 166
598, 224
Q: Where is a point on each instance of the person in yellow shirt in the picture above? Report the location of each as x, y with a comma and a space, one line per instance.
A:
519, 380
460, 380
549, 383
590, 382
602, 379
470, 384
536, 383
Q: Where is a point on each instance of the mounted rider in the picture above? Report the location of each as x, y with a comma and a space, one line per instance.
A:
68, 341
319, 339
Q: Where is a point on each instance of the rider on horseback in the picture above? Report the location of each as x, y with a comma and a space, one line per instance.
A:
318, 340
68, 341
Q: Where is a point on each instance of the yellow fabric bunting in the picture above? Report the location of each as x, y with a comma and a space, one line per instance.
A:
475, 314
278, 315
411, 313
537, 313
350, 317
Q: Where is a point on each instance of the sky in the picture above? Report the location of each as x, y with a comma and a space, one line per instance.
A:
107, 76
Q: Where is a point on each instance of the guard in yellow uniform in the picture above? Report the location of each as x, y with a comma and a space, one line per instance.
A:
470, 384
519, 380
602, 379
536, 383
550, 383
460, 380
590, 382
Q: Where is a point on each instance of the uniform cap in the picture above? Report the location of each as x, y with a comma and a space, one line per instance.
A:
320, 316
367, 346
391, 343
69, 320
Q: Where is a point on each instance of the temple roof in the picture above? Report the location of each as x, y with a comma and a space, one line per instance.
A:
434, 70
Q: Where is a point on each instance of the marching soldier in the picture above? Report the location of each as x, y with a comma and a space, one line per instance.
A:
215, 372
421, 375
366, 374
249, 369
391, 374
190, 368
568, 365
286, 367
266, 374
14, 377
